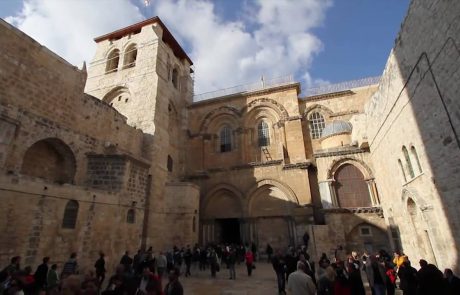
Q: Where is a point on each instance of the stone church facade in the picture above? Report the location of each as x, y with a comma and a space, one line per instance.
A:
121, 155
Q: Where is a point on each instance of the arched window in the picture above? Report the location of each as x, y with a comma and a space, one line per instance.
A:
225, 139
194, 224
263, 134
408, 163
175, 78
351, 188
170, 163
70, 214
316, 124
415, 156
130, 56
112, 61
402, 170
131, 216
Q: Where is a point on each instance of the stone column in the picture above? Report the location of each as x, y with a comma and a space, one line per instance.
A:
373, 192
327, 192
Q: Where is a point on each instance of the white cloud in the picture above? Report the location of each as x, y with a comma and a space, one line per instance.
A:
272, 37
228, 53
69, 26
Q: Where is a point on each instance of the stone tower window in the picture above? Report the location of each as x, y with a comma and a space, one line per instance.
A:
263, 134
408, 162
130, 56
225, 139
112, 61
316, 124
170, 163
131, 216
175, 78
402, 170
70, 214
415, 156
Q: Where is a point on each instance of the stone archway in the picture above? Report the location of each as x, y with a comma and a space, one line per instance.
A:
420, 233
270, 210
221, 213
50, 159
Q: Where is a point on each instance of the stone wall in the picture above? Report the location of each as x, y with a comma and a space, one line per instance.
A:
415, 107
51, 124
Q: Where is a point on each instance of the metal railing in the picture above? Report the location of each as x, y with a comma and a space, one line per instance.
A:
263, 84
342, 86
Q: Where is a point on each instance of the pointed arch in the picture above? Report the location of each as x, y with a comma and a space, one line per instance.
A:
409, 167
414, 154
403, 173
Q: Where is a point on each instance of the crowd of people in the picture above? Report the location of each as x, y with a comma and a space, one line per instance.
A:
343, 274
145, 272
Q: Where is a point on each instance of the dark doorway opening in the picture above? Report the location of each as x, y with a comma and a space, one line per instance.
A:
230, 230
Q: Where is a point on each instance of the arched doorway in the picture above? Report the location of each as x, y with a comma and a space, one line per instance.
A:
50, 159
350, 187
420, 236
270, 213
221, 217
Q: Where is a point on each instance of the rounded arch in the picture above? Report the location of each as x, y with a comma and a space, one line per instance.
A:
367, 237
267, 103
50, 159
283, 187
350, 187
222, 111
114, 93
113, 58
69, 219
358, 163
325, 111
222, 201
130, 55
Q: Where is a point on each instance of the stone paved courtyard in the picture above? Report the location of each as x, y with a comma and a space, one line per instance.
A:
262, 282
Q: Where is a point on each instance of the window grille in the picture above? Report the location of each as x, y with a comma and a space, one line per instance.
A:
263, 134
70, 214
225, 139
316, 125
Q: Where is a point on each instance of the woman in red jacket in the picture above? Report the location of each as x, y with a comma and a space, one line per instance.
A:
249, 261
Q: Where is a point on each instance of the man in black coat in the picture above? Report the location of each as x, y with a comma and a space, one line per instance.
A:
41, 274
174, 287
452, 282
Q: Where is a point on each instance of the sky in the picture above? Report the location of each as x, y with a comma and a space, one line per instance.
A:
231, 42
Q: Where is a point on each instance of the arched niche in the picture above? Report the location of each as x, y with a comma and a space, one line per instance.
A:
50, 159
366, 237
120, 99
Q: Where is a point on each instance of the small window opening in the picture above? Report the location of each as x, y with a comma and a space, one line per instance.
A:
126, 100
170, 164
175, 78
70, 215
131, 216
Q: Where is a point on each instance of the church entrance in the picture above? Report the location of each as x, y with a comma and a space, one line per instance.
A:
229, 230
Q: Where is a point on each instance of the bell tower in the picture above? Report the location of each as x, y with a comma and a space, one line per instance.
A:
142, 72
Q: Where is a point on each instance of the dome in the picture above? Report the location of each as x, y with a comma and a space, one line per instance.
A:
336, 127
